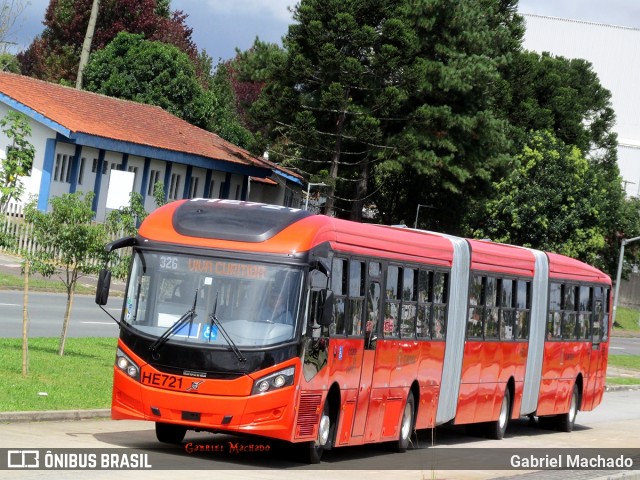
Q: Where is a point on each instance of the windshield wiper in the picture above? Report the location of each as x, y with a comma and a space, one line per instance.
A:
213, 320
188, 316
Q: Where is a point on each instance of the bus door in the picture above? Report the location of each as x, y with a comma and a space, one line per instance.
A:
597, 362
372, 315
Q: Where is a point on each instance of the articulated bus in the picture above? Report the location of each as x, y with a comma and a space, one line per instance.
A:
258, 319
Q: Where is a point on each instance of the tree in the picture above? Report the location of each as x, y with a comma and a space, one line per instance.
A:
155, 73
322, 99
9, 63
225, 119
563, 96
554, 200
16, 127
373, 96
450, 141
55, 54
72, 241
10, 11
244, 78
124, 222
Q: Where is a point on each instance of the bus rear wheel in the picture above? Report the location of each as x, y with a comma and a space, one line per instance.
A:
566, 421
167, 433
498, 427
406, 424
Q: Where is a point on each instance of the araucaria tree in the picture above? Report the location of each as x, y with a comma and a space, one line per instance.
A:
71, 242
391, 102
19, 157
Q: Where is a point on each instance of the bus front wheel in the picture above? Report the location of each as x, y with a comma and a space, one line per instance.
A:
315, 448
167, 433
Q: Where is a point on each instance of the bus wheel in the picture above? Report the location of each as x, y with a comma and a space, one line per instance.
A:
499, 427
167, 433
406, 425
566, 421
315, 449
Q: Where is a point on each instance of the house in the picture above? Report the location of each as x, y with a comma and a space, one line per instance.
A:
612, 50
81, 138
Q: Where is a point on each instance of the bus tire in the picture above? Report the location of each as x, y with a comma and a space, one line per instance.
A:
167, 433
315, 449
498, 427
566, 421
406, 424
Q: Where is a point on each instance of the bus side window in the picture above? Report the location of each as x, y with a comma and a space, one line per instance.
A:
356, 297
423, 326
476, 307
585, 307
372, 315
554, 321
392, 301
491, 309
339, 288
507, 310
440, 295
570, 314
409, 299
523, 309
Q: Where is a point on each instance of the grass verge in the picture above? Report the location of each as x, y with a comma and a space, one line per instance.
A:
628, 319
628, 362
16, 282
80, 379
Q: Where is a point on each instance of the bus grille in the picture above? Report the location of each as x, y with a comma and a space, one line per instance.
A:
308, 415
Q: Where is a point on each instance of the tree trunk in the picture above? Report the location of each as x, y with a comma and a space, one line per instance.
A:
86, 45
65, 323
25, 322
337, 151
362, 188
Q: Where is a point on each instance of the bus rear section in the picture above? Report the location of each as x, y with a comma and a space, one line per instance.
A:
576, 343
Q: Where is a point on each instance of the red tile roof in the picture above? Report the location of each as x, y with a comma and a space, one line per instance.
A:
94, 114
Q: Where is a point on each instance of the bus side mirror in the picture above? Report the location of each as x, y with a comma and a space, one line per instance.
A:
327, 310
104, 282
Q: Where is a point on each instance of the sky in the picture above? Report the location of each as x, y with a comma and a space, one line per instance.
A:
221, 26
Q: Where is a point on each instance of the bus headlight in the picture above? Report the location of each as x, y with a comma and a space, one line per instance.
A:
128, 366
282, 378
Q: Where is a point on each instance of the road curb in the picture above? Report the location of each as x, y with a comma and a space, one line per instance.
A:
53, 415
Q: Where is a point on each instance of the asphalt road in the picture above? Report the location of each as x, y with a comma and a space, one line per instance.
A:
46, 315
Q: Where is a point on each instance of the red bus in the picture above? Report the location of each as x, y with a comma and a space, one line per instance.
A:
266, 320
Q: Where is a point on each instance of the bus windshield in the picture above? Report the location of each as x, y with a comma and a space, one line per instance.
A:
256, 304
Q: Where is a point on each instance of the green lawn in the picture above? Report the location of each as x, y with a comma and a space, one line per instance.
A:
16, 282
628, 319
80, 379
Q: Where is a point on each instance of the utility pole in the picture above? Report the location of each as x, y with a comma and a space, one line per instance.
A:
619, 275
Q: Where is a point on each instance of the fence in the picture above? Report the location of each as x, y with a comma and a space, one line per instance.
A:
16, 236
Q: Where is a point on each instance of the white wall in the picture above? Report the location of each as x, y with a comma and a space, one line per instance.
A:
39, 135
613, 51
